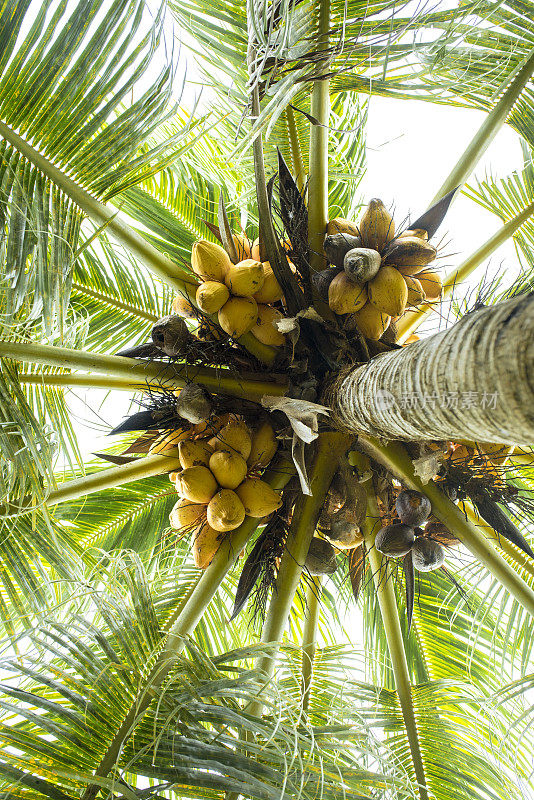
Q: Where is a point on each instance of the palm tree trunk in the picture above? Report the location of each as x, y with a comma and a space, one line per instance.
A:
474, 381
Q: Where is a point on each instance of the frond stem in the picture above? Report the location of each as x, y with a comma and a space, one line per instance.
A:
309, 636
296, 153
112, 301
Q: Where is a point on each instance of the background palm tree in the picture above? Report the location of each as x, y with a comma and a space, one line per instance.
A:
122, 675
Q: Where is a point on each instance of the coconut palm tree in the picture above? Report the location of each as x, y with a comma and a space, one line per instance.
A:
399, 467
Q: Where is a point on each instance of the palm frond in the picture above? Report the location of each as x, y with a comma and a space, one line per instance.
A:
65, 74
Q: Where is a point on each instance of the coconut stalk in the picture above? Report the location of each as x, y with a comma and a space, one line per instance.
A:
309, 636
472, 381
330, 447
412, 319
385, 592
493, 122
394, 457
277, 476
138, 372
318, 169
296, 153
162, 266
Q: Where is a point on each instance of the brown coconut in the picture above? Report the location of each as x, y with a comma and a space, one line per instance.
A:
410, 255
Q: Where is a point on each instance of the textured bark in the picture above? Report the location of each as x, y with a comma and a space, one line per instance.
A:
473, 381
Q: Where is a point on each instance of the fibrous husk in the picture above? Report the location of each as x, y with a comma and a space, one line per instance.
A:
193, 403
395, 540
258, 498
196, 484
264, 328
171, 335
321, 558
182, 307
235, 436
246, 278
209, 261
238, 316
186, 514
194, 453
205, 545
228, 467
431, 284
416, 294
271, 291
343, 530
370, 321
362, 264
225, 511
345, 296
388, 291
427, 554
263, 446
337, 245
341, 225
412, 507
410, 255
376, 225
211, 296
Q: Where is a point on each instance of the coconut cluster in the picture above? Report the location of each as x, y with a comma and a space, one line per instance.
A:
240, 294
376, 274
219, 482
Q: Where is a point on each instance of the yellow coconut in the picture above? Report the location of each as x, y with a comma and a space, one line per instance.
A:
255, 250
194, 453
209, 261
246, 278
182, 306
186, 514
371, 322
173, 476
228, 467
345, 295
416, 295
411, 339
205, 545
431, 284
211, 296
340, 225
376, 225
264, 446
271, 290
196, 484
168, 442
388, 291
264, 328
238, 315
410, 255
258, 498
243, 246
235, 436
225, 511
